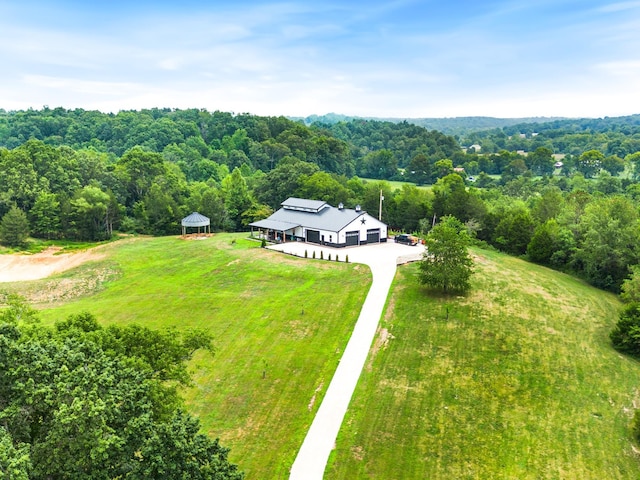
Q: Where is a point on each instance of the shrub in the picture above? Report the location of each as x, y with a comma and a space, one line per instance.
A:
306, 254
329, 257
263, 243
321, 255
314, 254
626, 335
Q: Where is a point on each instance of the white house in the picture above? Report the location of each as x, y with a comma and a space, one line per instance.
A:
316, 221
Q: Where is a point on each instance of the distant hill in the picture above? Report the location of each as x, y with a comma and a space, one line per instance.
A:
449, 126
611, 135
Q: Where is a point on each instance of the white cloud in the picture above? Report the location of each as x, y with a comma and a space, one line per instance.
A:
618, 7
509, 59
624, 68
74, 85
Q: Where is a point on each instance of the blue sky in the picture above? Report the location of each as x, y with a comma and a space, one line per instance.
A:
402, 58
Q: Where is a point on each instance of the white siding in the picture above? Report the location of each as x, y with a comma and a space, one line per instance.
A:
370, 222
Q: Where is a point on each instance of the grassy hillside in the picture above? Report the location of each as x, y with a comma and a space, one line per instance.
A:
396, 184
516, 381
279, 324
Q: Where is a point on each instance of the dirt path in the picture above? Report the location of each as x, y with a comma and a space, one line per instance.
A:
16, 267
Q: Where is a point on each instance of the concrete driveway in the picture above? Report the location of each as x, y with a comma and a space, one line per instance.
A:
382, 258
379, 253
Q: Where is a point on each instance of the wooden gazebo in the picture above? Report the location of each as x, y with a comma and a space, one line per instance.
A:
196, 220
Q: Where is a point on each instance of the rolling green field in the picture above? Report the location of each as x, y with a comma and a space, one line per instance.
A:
397, 184
516, 381
279, 324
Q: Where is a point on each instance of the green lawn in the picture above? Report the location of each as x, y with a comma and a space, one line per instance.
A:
396, 184
516, 381
279, 323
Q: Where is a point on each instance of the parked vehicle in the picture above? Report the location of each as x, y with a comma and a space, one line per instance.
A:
406, 239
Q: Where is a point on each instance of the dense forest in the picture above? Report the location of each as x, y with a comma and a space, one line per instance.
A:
619, 136
85, 175
610, 135
449, 126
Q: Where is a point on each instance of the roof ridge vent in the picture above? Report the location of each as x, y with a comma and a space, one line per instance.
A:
358, 208
340, 206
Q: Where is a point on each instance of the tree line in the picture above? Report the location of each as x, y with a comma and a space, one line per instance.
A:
582, 219
619, 136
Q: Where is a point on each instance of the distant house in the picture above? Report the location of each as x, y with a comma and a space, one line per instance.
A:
316, 221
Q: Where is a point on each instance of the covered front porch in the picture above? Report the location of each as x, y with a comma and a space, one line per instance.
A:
274, 231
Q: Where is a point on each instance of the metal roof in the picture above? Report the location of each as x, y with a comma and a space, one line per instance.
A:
303, 204
329, 218
195, 220
274, 225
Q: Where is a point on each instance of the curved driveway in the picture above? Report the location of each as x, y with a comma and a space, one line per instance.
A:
382, 259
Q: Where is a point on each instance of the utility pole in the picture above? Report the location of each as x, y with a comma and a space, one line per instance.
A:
380, 209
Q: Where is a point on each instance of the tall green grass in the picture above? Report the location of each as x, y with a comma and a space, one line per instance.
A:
516, 381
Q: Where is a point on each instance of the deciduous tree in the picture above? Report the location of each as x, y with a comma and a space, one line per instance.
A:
81, 402
447, 265
630, 290
590, 163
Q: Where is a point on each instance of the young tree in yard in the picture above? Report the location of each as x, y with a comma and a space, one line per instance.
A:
446, 264
14, 228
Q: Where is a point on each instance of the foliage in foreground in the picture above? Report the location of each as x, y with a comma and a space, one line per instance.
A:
446, 264
79, 401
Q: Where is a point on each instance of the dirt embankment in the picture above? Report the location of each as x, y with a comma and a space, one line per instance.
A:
16, 268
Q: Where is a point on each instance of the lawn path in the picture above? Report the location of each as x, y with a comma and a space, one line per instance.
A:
314, 453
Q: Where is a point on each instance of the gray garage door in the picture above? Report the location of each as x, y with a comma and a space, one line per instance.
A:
352, 238
373, 235
313, 236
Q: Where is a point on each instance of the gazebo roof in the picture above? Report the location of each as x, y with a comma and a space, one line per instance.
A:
195, 220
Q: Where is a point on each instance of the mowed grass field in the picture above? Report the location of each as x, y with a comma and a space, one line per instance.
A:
396, 184
515, 381
279, 324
